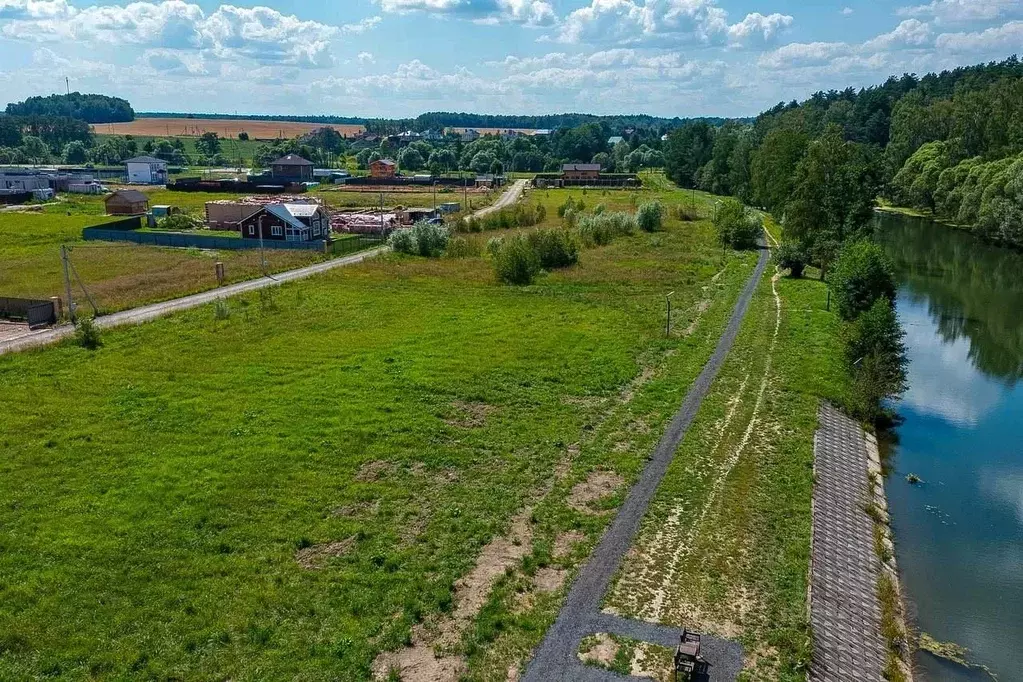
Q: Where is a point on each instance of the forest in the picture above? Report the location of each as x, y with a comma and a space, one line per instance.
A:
75, 105
947, 143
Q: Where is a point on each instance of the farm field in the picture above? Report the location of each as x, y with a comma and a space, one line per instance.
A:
398, 459
227, 128
232, 148
116, 275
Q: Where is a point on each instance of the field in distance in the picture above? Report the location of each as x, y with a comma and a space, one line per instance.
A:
195, 127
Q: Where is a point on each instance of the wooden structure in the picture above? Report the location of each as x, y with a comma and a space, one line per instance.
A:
382, 168
580, 171
292, 168
688, 662
287, 222
127, 202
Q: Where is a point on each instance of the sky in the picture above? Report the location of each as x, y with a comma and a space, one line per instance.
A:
400, 58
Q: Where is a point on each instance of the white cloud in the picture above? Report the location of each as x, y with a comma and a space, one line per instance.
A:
756, 26
366, 58
910, 33
362, 26
1005, 38
527, 12
259, 33
630, 22
957, 11
846, 11
171, 62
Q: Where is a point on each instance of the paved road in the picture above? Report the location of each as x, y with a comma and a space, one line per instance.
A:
555, 658
150, 312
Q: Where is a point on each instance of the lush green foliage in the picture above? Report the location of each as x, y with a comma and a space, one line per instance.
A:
519, 215
737, 226
516, 261
422, 239
862, 275
87, 334
178, 222
650, 216
600, 230
792, 256
88, 108
554, 248
876, 356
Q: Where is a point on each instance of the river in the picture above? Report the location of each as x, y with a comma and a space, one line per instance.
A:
959, 533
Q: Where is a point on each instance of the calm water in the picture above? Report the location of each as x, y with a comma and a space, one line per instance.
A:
959, 536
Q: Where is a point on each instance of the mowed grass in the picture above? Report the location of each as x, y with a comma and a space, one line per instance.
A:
116, 275
157, 495
725, 546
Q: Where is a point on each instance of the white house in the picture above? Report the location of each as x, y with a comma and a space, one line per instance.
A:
147, 170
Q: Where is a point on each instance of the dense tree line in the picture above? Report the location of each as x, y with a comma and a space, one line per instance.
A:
948, 142
89, 108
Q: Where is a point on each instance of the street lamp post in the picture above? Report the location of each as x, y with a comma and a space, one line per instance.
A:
667, 325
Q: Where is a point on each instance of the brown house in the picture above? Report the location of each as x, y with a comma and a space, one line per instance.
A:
287, 222
292, 168
127, 202
382, 168
580, 171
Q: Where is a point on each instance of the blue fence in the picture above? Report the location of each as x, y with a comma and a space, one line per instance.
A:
199, 241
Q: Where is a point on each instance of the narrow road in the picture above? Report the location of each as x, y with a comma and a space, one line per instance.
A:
43, 337
555, 658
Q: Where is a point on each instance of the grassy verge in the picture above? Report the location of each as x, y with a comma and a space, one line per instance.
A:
284, 487
725, 546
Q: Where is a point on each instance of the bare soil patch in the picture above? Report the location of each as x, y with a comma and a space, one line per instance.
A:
601, 650
565, 542
224, 127
316, 556
373, 471
469, 415
549, 579
597, 486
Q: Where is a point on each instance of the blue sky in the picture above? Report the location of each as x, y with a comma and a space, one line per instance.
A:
391, 58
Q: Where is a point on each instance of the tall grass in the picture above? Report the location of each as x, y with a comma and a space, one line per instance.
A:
422, 239
600, 230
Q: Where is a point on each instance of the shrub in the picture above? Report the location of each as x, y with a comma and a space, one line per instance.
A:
737, 226
516, 262
877, 333
862, 275
554, 248
494, 245
599, 230
87, 334
650, 217
686, 213
599, 209
460, 247
178, 222
569, 218
792, 257
422, 239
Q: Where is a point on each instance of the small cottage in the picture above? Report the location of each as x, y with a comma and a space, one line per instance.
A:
146, 170
127, 202
287, 222
292, 168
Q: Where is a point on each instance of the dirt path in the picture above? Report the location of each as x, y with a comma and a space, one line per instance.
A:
34, 339
555, 658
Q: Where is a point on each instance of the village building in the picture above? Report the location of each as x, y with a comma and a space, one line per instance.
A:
292, 168
146, 170
382, 168
287, 222
580, 171
127, 202
614, 139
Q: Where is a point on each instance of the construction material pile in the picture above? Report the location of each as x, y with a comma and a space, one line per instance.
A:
364, 222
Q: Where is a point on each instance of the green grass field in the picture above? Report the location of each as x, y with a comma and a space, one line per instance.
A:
117, 275
285, 493
233, 149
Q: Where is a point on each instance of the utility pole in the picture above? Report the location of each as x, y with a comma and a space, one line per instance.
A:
262, 259
67, 284
67, 83
667, 325
381, 214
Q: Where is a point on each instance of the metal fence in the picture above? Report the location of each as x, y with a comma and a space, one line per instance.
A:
362, 242
36, 312
195, 241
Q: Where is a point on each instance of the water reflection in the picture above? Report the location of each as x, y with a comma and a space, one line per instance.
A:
960, 534
972, 290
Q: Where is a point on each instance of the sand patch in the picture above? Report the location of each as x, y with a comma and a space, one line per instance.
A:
599, 649
469, 415
316, 556
565, 542
549, 579
357, 509
597, 486
421, 661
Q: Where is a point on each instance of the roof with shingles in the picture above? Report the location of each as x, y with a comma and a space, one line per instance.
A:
146, 159
130, 195
292, 160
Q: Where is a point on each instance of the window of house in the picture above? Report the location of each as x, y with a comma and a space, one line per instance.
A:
276, 230
252, 230
316, 229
